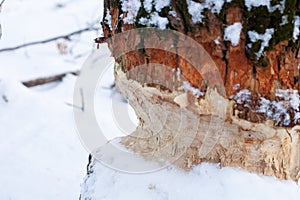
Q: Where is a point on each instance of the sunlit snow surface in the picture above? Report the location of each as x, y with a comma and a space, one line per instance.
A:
41, 156
232, 33
206, 181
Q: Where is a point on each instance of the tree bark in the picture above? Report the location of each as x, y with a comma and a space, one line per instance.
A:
259, 131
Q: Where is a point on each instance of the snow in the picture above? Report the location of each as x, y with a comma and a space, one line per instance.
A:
131, 7
0, 22
291, 97
41, 157
156, 20
108, 19
160, 22
243, 97
284, 21
196, 9
265, 107
232, 33
105, 97
173, 13
257, 3
160, 4
187, 86
40, 153
38, 22
217, 40
148, 5
236, 86
264, 38
289, 100
206, 181
178, 73
296, 31
296, 117
195, 91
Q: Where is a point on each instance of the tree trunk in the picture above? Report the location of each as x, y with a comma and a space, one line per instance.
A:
255, 48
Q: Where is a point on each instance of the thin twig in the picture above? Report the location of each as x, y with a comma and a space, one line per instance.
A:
0, 12
73, 106
2, 2
82, 99
67, 36
82, 102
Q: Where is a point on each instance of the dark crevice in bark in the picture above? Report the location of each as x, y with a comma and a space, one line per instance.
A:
225, 54
181, 8
297, 51
278, 65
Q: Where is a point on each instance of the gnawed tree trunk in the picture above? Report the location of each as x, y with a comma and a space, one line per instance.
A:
260, 72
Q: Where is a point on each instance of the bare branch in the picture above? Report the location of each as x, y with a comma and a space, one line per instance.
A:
0, 23
74, 106
45, 80
67, 36
2, 2
82, 102
82, 99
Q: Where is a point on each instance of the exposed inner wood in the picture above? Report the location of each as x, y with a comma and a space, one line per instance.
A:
206, 130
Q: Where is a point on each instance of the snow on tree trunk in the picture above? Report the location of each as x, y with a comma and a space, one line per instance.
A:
255, 46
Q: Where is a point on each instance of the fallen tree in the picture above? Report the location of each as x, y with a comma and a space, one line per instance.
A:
49, 79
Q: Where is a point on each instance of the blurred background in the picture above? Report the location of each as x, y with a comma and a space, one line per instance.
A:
40, 153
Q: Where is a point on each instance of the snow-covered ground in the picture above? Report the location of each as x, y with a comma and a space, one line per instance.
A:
41, 156
34, 20
206, 181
